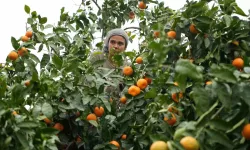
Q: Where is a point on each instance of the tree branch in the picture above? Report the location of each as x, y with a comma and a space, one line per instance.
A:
97, 4
81, 4
138, 28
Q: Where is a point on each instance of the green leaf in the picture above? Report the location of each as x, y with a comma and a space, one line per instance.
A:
207, 42
8, 141
204, 118
220, 124
241, 91
14, 43
40, 48
22, 139
48, 26
227, 20
102, 81
86, 99
77, 101
108, 73
204, 19
158, 137
27, 124
202, 100
36, 111
179, 133
60, 30
19, 66
39, 37
30, 21
152, 93
93, 122
33, 14
3, 87
239, 11
219, 137
69, 85
57, 61
186, 68
244, 45
71, 28
223, 73
47, 110
224, 93
106, 103
99, 146
17, 94
45, 60
49, 131
27, 9
43, 20
34, 57
237, 125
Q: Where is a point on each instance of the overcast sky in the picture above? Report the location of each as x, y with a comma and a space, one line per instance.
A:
13, 17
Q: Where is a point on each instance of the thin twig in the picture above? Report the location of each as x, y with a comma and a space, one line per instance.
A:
81, 4
97, 4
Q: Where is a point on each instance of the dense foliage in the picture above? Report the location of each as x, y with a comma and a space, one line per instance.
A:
195, 61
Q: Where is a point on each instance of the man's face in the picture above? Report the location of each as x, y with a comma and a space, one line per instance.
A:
116, 43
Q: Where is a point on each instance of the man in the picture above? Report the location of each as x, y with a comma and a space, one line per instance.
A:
116, 41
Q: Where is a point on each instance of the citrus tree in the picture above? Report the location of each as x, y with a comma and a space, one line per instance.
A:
186, 88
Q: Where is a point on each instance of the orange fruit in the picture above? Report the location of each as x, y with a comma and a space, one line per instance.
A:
246, 131
131, 15
156, 34
134, 90
193, 29
127, 70
91, 117
149, 80
24, 38
27, 83
139, 60
59, 126
78, 139
205, 36
171, 121
29, 34
124, 136
142, 83
99, 111
159, 145
115, 143
209, 82
189, 143
47, 120
191, 60
78, 114
22, 51
123, 100
13, 55
176, 98
238, 63
235, 42
14, 113
142, 5
171, 34
111, 100
173, 109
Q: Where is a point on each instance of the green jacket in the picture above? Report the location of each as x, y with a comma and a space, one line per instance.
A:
100, 59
